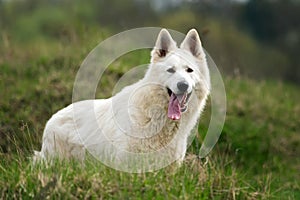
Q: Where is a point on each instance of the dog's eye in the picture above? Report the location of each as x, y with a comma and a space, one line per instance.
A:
189, 70
171, 70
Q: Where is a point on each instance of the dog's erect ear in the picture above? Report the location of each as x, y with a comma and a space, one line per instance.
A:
192, 43
164, 44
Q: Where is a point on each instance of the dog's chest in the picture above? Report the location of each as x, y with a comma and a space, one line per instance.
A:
160, 139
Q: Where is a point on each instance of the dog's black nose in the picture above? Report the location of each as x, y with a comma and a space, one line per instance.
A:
182, 86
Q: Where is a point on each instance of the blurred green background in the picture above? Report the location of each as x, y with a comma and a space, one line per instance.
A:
257, 38
255, 44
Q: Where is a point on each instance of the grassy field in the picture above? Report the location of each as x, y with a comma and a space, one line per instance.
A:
257, 156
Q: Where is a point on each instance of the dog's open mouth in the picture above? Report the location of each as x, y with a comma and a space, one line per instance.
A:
177, 104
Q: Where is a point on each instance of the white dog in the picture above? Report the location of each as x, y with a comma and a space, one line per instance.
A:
158, 112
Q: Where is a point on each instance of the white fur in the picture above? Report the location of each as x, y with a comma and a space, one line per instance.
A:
138, 110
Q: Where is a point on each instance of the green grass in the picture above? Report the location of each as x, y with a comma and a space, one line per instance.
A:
257, 156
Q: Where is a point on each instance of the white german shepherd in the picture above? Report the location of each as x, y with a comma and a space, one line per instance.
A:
158, 111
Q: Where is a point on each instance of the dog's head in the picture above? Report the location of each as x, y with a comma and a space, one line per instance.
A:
179, 70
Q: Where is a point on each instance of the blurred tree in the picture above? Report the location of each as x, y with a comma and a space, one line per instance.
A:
260, 18
124, 14
277, 24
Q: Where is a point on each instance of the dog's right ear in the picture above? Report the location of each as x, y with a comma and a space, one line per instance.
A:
164, 44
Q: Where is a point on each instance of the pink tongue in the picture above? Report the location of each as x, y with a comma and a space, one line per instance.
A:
174, 108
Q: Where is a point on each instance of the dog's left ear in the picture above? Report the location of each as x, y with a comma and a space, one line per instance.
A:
192, 43
164, 44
